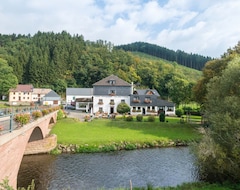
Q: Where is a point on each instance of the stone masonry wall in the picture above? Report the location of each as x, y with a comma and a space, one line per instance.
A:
41, 146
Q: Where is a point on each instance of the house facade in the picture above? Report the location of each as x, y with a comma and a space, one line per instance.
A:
51, 99
148, 102
107, 93
22, 94
81, 98
26, 94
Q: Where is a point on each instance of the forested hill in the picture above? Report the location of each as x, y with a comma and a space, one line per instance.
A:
194, 61
61, 60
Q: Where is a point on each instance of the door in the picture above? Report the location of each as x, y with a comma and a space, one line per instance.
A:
111, 110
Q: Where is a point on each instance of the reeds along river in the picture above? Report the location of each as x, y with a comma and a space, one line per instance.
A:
158, 167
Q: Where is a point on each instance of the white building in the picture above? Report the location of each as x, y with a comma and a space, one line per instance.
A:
107, 93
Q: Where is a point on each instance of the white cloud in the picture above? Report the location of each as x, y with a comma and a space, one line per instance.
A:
203, 27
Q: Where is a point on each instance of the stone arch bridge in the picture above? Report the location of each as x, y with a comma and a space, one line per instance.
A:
30, 139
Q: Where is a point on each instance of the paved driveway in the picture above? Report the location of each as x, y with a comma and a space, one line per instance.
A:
76, 114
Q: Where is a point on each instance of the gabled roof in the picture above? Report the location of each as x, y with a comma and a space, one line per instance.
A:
52, 94
108, 81
22, 88
79, 91
146, 92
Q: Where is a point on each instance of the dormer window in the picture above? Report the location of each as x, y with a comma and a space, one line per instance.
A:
136, 99
147, 100
112, 92
112, 82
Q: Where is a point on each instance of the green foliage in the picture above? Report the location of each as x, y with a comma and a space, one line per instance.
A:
36, 114
123, 108
218, 153
213, 68
162, 117
190, 60
45, 112
179, 112
5, 185
60, 114
7, 78
22, 118
139, 117
129, 118
151, 118
59, 60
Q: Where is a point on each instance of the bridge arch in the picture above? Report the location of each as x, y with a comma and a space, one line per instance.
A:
36, 134
13, 145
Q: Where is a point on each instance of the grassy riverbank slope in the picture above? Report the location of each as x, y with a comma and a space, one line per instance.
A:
108, 135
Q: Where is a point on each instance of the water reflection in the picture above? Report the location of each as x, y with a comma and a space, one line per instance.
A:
159, 167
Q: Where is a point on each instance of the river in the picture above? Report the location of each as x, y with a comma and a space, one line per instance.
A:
158, 167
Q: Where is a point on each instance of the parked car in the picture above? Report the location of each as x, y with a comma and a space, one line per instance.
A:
1, 113
70, 107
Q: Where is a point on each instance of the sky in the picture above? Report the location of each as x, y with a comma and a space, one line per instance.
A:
204, 27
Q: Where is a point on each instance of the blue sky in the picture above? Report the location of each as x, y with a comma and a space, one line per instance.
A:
205, 27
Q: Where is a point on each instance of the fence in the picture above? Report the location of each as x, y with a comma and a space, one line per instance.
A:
7, 123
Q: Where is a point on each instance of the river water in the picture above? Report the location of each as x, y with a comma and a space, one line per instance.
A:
158, 167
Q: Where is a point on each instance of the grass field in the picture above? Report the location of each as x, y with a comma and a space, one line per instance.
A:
108, 131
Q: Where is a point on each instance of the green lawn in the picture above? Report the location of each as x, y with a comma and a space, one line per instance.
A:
106, 131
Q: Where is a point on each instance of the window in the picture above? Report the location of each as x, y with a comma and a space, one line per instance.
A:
100, 109
14, 98
100, 101
112, 102
112, 92
170, 108
14, 93
161, 108
147, 100
112, 82
136, 99
122, 101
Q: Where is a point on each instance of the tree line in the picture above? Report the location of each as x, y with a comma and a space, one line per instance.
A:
218, 91
60, 60
194, 61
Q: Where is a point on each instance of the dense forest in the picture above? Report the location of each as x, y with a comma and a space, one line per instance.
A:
194, 61
60, 60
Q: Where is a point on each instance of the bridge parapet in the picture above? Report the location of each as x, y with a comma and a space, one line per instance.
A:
7, 121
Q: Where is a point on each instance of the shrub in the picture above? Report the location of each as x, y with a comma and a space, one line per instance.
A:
129, 118
123, 108
162, 117
151, 118
60, 114
36, 114
139, 117
45, 112
179, 112
22, 118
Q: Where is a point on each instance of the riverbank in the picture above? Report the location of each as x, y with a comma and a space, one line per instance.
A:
104, 135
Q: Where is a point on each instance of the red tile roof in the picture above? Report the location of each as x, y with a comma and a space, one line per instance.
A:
22, 88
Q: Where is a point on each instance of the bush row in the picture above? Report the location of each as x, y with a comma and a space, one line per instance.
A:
24, 118
150, 118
